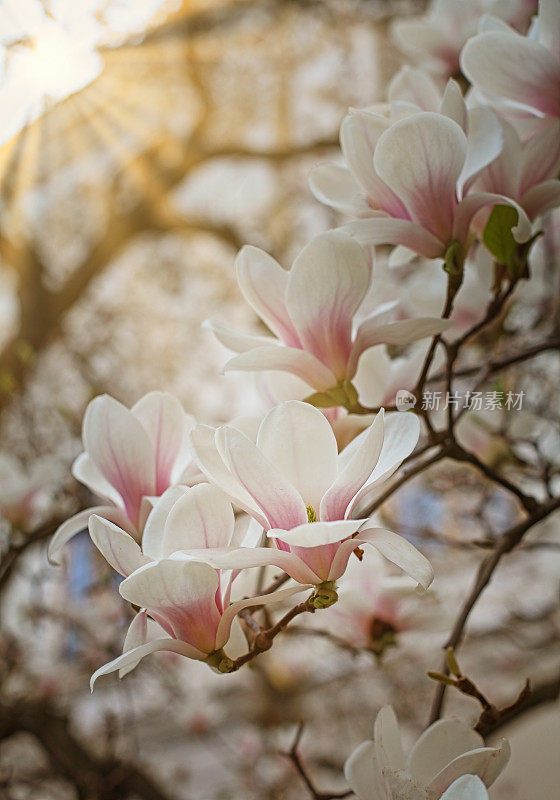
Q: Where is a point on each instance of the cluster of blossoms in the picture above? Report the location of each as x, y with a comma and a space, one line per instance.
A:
188, 508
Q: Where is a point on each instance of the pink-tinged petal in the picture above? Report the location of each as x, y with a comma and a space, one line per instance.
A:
181, 593
209, 460
285, 359
467, 787
421, 158
541, 198
238, 558
541, 157
153, 536
516, 68
299, 441
140, 631
121, 450
405, 331
473, 203
486, 762
117, 547
438, 746
355, 472
85, 471
359, 134
316, 534
328, 282
385, 230
415, 87
236, 340
78, 523
425, 41
263, 283
484, 143
549, 26
364, 775
233, 610
277, 498
132, 658
202, 517
399, 551
453, 105
503, 174
387, 740
402, 430
168, 425
336, 187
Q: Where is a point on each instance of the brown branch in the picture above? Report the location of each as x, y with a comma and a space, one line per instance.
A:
295, 758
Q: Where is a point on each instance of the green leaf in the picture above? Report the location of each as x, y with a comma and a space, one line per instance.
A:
497, 235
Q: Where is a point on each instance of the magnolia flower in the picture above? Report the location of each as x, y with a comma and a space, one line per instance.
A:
526, 172
189, 601
415, 175
130, 457
24, 493
311, 309
446, 751
305, 495
524, 70
435, 39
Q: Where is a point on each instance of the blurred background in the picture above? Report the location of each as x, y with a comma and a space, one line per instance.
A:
142, 143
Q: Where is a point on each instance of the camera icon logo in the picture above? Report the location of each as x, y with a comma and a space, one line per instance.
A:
405, 400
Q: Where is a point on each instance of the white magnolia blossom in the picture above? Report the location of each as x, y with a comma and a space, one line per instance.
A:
25, 492
130, 457
409, 181
435, 39
523, 70
187, 601
307, 497
446, 751
312, 310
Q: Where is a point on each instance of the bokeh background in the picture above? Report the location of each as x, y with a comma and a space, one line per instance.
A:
142, 143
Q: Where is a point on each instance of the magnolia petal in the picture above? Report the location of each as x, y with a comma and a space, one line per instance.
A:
405, 331
399, 551
136, 636
153, 536
402, 430
473, 203
249, 557
285, 359
516, 68
438, 746
355, 472
453, 105
117, 547
364, 776
201, 517
486, 762
359, 134
386, 230
336, 187
541, 198
316, 534
549, 26
77, 523
467, 787
484, 143
421, 158
327, 284
168, 425
298, 439
211, 463
387, 740
131, 659
277, 498
263, 283
236, 340
121, 449
541, 157
85, 471
416, 87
